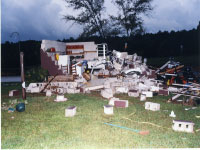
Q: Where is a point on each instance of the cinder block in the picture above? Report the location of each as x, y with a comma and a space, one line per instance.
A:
60, 98
164, 92
152, 106
73, 90
13, 93
148, 93
112, 101
154, 88
108, 109
183, 126
143, 97
122, 89
48, 93
35, 90
133, 93
121, 103
70, 111
107, 93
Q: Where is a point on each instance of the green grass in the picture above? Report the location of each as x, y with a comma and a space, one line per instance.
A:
43, 125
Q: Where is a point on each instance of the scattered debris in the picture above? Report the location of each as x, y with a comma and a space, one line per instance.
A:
108, 109
152, 106
172, 114
13, 93
48, 93
121, 103
70, 111
11, 110
142, 97
183, 126
60, 98
20, 107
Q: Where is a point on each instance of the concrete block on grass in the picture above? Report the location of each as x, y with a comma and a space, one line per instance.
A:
152, 106
13, 93
60, 98
183, 126
70, 111
108, 109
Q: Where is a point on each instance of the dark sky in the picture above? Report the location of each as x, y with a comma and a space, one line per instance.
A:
42, 19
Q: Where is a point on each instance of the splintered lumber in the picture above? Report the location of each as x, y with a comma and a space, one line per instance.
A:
61, 78
48, 83
172, 70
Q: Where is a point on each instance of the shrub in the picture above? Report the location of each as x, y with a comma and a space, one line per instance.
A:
36, 74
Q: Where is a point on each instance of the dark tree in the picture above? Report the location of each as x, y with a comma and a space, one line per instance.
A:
89, 15
129, 15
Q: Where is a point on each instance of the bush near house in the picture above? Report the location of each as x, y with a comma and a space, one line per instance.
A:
36, 74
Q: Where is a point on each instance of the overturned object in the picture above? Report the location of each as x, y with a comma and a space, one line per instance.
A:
152, 106
13, 93
60, 98
70, 111
108, 109
183, 126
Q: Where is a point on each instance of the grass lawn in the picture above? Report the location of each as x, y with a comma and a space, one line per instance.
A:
43, 124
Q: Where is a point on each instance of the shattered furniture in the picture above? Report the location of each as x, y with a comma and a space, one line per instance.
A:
183, 126
152, 106
70, 111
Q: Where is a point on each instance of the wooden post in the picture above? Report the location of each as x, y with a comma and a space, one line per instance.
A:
22, 75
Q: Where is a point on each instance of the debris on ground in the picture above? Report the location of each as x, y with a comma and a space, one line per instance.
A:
20, 107
183, 126
60, 98
13, 93
172, 114
11, 110
70, 111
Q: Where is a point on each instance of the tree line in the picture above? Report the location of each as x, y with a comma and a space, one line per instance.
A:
161, 44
